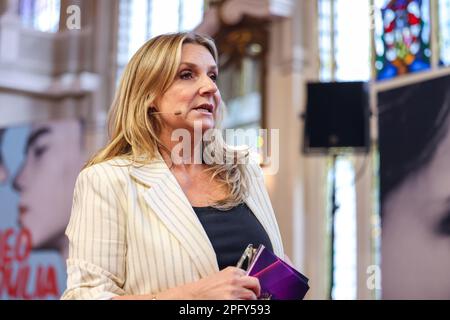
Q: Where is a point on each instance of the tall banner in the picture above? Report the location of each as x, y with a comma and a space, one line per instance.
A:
39, 164
414, 144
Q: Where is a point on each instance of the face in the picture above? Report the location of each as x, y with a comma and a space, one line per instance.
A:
3, 172
46, 180
416, 232
194, 91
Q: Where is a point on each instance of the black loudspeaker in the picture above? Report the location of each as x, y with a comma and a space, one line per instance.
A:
337, 117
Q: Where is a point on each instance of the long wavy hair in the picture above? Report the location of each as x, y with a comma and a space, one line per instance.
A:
135, 135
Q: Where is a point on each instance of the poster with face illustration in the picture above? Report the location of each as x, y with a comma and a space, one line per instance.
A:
414, 144
39, 164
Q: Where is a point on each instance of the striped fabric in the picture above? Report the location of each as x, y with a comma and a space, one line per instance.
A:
133, 231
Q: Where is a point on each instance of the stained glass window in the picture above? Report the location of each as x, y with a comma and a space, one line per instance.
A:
344, 51
344, 40
444, 32
140, 20
352, 38
42, 15
325, 27
402, 32
344, 244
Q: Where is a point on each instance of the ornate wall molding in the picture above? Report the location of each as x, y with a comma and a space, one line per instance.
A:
232, 12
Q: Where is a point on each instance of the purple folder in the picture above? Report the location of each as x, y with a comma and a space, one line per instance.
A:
278, 280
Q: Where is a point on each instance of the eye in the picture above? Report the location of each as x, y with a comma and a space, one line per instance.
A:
213, 76
186, 75
39, 151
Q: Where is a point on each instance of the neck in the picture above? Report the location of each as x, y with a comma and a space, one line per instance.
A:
184, 150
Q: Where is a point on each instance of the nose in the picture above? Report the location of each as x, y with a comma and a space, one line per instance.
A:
208, 86
18, 181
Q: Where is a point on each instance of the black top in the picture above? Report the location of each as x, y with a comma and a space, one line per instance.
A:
231, 231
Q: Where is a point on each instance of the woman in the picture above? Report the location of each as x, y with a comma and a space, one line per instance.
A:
45, 181
150, 221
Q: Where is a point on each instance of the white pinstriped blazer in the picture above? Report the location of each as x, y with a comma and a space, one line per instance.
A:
133, 231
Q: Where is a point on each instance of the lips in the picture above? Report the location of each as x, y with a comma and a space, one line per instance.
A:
205, 108
22, 210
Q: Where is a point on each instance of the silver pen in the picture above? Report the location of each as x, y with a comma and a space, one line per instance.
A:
247, 254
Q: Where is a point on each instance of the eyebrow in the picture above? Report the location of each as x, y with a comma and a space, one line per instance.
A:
36, 135
193, 65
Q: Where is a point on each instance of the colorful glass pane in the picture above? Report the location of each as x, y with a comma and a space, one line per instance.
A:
403, 37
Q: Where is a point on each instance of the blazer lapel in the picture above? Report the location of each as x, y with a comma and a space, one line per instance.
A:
169, 202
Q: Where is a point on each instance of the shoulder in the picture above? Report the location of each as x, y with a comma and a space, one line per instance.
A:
105, 183
113, 170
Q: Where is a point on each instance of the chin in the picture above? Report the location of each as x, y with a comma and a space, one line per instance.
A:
206, 125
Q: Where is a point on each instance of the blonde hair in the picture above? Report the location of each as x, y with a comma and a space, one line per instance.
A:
134, 134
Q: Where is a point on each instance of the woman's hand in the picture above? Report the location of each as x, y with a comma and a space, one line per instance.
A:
230, 283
